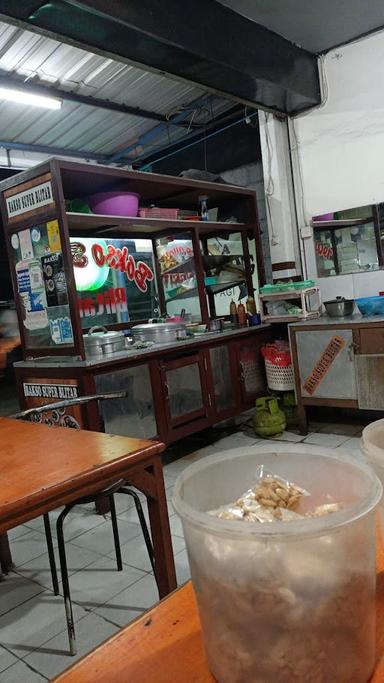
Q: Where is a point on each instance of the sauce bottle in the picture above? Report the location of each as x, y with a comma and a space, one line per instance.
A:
233, 313
242, 316
251, 305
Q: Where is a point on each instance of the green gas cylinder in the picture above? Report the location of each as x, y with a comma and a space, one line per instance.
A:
268, 420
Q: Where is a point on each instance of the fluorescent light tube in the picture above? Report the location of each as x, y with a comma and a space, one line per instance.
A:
29, 99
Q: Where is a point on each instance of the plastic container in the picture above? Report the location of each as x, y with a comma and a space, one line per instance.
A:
371, 305
115, 203
284, 602
372, 445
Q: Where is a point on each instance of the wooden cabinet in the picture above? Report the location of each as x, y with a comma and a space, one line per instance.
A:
224, 396
187, 400
339, 365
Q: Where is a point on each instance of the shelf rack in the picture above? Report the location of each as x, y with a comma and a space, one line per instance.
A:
302, 294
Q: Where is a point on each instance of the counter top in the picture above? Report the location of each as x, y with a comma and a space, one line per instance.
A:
142, 354
348, 321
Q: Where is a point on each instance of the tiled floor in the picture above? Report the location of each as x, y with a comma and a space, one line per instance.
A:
32, 624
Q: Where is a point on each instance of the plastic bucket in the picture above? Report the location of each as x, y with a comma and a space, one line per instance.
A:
372, 445
279, 602
115, 203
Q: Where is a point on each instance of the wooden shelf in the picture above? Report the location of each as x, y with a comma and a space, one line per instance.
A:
97, 224
289, 318
294, 294
342, 223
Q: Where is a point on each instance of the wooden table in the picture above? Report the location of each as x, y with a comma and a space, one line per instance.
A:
165, 645
42, 468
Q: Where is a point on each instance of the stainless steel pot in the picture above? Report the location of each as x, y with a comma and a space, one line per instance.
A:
339, 307
101, 341
159, 333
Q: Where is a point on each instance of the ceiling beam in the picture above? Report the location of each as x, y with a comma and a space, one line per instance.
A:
31, 86
201, 42
52, 151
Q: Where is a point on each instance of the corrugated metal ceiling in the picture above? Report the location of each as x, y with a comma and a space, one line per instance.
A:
81, 127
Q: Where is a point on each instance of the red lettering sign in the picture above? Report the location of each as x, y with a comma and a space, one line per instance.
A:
323, 250
120, 259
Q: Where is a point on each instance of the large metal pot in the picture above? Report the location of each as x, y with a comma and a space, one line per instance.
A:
339, 307
159, 333
101, 341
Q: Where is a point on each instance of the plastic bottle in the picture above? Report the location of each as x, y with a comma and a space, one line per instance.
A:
251, 305
233, 313
203, 199
241, 314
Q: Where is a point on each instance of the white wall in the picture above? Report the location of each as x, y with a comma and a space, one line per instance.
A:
341, 149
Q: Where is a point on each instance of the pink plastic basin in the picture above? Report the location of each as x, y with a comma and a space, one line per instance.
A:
115, 203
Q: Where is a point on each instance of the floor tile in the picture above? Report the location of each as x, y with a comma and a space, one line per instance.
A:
17, 531
328, 440
290, 436
176, 526
52, 658
14, 590
21, 673
28, 546
131, 603
135, 553
183, 572
353, 447
30, 624
6, 659
237, 440
100, 539
38, 569
100, 581
343, 429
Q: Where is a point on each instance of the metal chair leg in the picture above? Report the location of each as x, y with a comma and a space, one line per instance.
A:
64, 578
144, 527
51, 554
116, 537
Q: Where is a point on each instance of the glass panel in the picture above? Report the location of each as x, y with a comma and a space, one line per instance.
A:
225, 272
325, 258
178, 274
133, 416
42, 291
222, 379
115, 280
345, 241
184, 390
252, 370
356, 248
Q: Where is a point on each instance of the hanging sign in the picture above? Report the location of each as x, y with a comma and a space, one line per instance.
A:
29, 198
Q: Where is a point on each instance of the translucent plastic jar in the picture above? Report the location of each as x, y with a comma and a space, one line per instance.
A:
284, 602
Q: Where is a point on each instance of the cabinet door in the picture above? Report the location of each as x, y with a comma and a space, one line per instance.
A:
185, 386
250, 371
224, 396
326, 364
131, 416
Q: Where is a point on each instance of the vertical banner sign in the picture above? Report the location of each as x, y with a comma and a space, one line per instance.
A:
323, 365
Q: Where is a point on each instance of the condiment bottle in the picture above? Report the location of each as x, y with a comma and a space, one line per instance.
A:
203, 199
251, 305
241, 314
233, 313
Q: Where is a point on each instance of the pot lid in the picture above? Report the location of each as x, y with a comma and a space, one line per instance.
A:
339, 300
96, 334
163, 327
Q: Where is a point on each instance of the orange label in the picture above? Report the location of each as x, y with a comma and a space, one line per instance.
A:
324, 363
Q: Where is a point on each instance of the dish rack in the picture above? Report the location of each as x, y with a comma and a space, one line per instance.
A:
310, 303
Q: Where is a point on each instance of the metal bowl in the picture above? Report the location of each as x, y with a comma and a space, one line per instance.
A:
339, 307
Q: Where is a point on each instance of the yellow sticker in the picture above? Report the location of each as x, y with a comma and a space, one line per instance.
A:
53, 236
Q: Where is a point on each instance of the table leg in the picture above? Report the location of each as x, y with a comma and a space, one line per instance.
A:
5, 554
161, 534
